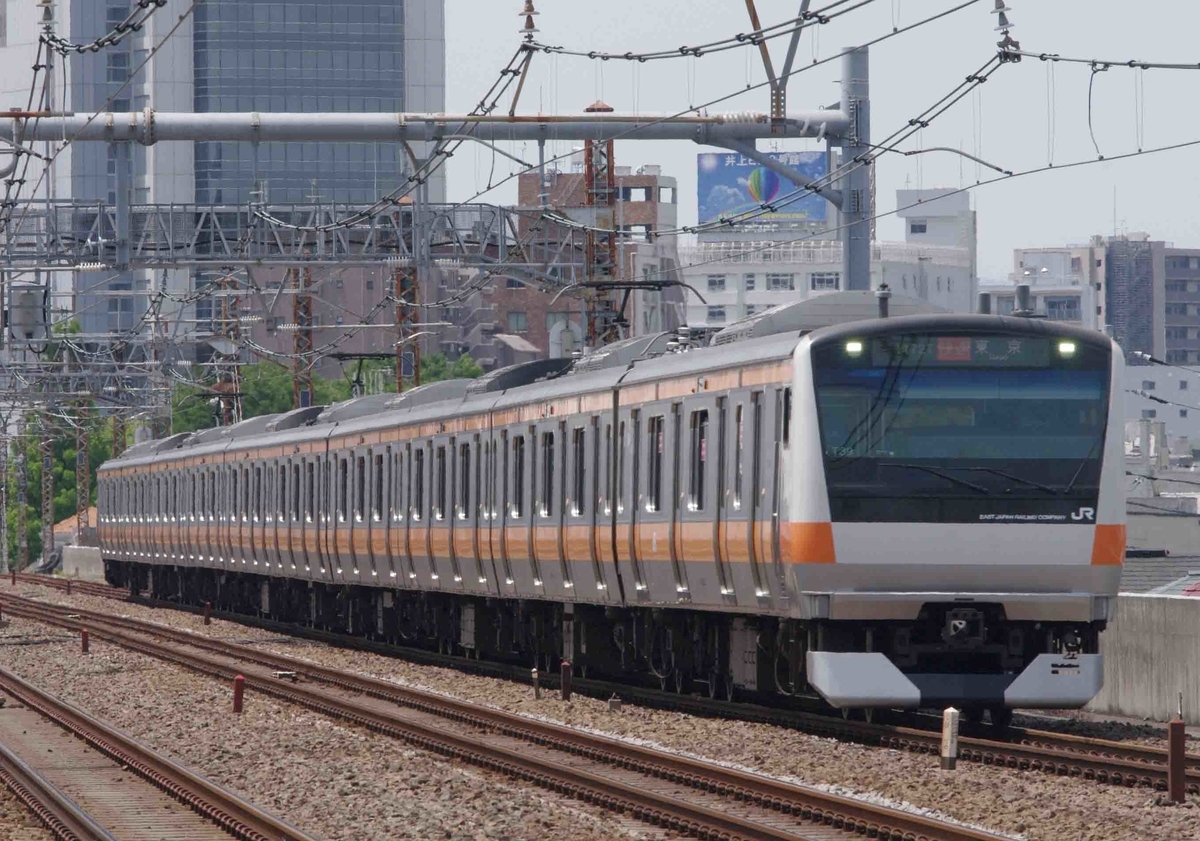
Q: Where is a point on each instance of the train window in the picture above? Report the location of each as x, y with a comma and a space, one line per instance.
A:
578, 454
360, 488
310, 491
281, 499
620, 467
397, 486
737, 457
547, 500
518, 476
605, 459
203, 510
787, 415
417, 498
343, 487
699, 452
655, 442
249, 502
258, 494
194, 508
377, 489
439, 484
464, 481
212, 494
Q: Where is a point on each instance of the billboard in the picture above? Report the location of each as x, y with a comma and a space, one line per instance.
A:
728, 183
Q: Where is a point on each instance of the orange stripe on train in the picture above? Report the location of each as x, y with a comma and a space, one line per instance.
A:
1108, 547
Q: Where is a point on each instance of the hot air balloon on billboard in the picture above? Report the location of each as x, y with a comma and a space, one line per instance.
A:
763, 185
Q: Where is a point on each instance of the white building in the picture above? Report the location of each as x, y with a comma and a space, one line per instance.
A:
936, 263
1065, 283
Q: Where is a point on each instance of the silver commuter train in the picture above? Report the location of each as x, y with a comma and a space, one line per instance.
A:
898, 512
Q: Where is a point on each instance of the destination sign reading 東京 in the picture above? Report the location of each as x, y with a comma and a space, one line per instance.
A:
962, 351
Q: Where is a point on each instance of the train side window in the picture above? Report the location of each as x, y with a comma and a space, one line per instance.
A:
360, 488
518, 476
234, 502
417, 500
203, 499
620, 468
398, 486
197, 498
258, 493
212, 494
343, 488
739, 442
377, 490
250, 502
310, 491
578, 454
464, 481
547, 499
787, 416
655, 443
699, 453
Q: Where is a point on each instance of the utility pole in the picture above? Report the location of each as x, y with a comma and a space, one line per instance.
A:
606, 318
302, 339
22, 498
83, 474
856, 184
47, 443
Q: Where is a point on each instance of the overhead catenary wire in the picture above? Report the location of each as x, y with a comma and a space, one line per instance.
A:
133, 22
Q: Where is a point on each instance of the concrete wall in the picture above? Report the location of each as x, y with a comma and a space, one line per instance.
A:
84, 563
1151, 654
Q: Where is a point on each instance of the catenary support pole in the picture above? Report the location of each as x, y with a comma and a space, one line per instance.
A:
856, 184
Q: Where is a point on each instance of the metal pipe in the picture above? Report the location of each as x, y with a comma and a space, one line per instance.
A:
985, 304
883, 295
148, 126
1023, 306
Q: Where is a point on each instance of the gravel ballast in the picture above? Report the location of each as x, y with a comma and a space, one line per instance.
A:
331, 780
1024, 804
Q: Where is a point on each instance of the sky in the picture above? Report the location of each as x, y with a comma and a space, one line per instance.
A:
1028, 115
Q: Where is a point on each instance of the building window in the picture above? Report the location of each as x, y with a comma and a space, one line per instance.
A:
716, 315
750, 310
1194, 263
1147, 385
1183, 413
826, 281
1177, 309
510, 283
517, 322
748, 282
779, 282
1183, 385
1063, 309
716, 283
1076, 265
555, 318
340, 283
1149, 414
370, 285
918, 227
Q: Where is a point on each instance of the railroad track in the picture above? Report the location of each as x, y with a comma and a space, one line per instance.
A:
1063, 754
668, 790
118, 787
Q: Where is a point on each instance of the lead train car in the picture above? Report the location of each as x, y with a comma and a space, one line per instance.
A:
892, 512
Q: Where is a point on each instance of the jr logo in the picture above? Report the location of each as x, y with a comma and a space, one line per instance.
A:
1084, 514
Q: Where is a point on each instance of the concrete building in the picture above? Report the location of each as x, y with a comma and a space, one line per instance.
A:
738, 277
1065, 283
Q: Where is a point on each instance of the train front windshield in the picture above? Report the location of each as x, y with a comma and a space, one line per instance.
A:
962, 428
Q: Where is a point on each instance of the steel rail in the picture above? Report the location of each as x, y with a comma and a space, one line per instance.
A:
803, 804
63, 817
236, 816
1102, 760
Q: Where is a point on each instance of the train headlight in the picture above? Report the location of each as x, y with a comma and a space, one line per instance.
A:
1066, 348
854, 348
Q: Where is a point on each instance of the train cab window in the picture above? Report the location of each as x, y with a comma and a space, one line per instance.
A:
464, 481
578, 455
360, 488
439, 484
343, 482
699, 456
310, 492
417, 498
518, 476
547, 498
377, 489
655, 443
739, 427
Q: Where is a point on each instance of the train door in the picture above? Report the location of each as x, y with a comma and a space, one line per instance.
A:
604, 511
656, 505
441, 514
463, 486
581, 561
630, 497
725, 490
758, 503
675, 471
506, 483
547, 506
422, 512
473, 499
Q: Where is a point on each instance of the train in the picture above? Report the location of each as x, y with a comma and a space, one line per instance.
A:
898, 509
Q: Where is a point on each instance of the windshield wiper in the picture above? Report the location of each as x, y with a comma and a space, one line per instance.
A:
1009, 476
1083, 463
980, 488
